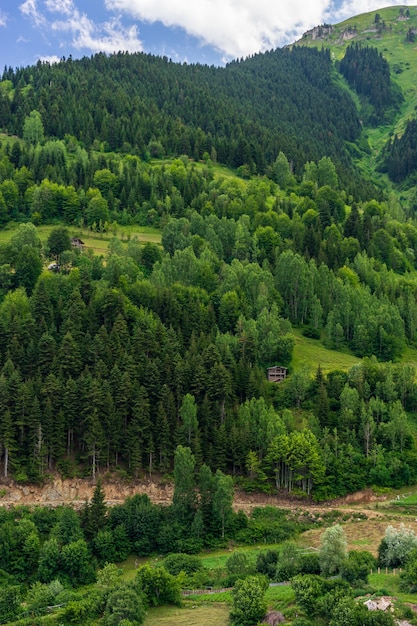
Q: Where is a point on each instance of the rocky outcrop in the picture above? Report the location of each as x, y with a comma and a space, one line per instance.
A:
57, 491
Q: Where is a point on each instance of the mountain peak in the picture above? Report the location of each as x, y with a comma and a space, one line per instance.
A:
388, 23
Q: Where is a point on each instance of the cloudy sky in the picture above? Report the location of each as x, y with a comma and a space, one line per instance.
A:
205, 31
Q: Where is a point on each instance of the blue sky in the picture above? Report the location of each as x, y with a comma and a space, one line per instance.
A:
205, 31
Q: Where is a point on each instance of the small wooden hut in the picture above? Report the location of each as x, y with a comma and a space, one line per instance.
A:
277, 373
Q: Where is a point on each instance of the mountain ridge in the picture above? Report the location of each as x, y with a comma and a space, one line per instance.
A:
392, 31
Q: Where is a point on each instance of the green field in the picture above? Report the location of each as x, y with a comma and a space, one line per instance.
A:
410, 500
311, 353
214, 614
97, 242
208, 610
391, 584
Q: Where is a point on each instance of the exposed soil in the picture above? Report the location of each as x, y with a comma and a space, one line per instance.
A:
75, 491
363, 533
352, 502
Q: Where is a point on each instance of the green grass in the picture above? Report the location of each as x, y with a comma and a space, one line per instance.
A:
311, 353
211, 598
279, 598
190, 615
216, 559
410, 356
410, 500
401, 57
97, 242
391, 584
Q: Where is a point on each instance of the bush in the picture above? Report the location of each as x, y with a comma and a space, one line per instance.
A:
266, 563
396, 546
289, 561
310, 564
238, 566
158, 586
268, 524
124, 603
249, 604
9, 603
311, 332
188, 563
356, 568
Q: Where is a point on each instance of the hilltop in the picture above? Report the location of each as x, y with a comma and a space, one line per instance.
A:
392, 31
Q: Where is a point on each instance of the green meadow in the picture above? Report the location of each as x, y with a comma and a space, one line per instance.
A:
311, 353
96, 241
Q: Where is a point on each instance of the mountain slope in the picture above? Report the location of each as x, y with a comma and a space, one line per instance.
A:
247, 112
392, 31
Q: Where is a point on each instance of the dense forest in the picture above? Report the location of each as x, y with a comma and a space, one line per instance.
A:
399, 157
115, 360
150, 358
245, 113
368, 73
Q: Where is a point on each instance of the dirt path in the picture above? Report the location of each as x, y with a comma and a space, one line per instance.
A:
360, 502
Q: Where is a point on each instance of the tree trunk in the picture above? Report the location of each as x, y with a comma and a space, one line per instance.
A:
6, 461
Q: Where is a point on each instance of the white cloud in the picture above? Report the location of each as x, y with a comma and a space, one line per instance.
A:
241, 27
30, 9
3, 18
108, 37
53, 58
60, 6
236, 27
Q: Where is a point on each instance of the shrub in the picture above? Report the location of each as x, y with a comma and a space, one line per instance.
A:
188, 563
249, 604
266, 563
396, 546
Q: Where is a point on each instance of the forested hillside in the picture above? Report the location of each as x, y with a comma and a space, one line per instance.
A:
273, 228
376, 54
245, 113
111, 362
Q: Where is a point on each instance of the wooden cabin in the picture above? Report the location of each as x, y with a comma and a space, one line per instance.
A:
76, 242
277, 373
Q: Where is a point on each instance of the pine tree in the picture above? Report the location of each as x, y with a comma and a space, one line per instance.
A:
184, 498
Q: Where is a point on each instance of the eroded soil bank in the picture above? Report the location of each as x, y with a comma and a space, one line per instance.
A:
75, 491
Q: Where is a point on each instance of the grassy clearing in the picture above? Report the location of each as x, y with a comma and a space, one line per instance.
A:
207, 608
190, 615
410, 500
311, 353
210, 598
97, 242
391, 583
410, 356
361, 535
279, 598
130, 567
218, 559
